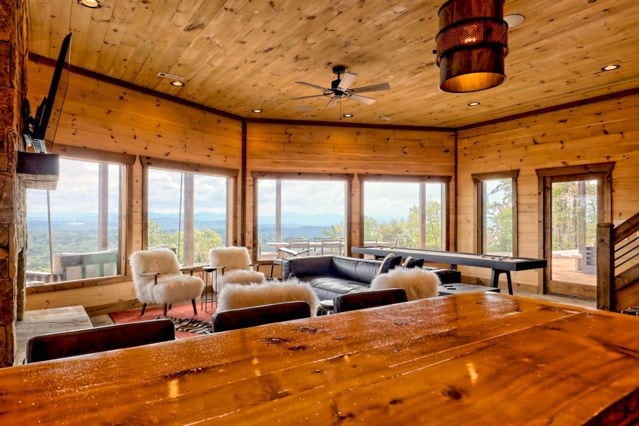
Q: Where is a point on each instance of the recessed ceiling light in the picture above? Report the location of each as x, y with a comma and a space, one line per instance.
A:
257, 110
474, 103
347, 115
93, 4
177, 83
514, 19
610, 67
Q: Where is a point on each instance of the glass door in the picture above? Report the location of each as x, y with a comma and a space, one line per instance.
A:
574, 200
573, 229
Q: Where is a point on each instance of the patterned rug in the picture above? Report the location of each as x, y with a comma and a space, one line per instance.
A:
186, 323
190, 325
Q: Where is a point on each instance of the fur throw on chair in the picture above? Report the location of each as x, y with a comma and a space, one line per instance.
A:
230, 257
172, 286
235, 296
237, 266
418, 283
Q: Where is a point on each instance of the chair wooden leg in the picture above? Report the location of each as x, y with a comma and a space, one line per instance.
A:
165, 309
143, 309
194, 308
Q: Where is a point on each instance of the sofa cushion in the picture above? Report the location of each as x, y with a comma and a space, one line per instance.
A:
389, 262
327, 287
362, 270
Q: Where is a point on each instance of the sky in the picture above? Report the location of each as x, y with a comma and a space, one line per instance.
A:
302, 196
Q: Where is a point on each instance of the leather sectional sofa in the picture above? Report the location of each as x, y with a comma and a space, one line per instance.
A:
332, 276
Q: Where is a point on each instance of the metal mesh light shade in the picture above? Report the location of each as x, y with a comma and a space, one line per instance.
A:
471, 45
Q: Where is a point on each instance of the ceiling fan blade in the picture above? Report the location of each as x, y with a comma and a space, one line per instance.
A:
308, 97
315, 86
346, 80
332, 102
362, 99
372, 88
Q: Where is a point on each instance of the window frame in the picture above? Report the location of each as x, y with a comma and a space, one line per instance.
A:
126, 161
346, 177
184, 167
419, 179
478, 184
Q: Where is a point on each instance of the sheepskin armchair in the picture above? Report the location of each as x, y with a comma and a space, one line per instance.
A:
158, 280
236, 267
418, 283
236, 296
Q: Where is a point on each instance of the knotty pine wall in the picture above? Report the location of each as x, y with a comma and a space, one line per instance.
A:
594, 133
111, 118
107, 117
291, 148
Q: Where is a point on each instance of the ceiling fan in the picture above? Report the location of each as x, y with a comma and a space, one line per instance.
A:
341, 88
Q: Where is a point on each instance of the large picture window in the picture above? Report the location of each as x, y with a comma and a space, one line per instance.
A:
496, 195
187, 212
407, 213
74, 231
304, 214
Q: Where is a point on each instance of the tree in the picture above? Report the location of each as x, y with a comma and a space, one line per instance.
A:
498, 226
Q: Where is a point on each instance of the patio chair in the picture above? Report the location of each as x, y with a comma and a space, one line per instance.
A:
100, 339
158, 279
258, 315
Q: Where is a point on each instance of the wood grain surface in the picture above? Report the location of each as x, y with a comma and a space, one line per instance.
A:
467, 359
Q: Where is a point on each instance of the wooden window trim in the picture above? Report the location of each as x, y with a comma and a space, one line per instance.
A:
184, 167
160, 163
546, 177
126, 161
346, 177
413, 178
478, 183
78, 153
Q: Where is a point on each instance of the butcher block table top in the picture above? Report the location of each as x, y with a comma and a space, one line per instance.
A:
475, 358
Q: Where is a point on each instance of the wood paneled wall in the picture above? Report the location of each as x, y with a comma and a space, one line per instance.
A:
291, 148
594, 133
107, 117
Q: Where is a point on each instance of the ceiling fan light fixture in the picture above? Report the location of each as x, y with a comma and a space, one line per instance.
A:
472, 43
92, 4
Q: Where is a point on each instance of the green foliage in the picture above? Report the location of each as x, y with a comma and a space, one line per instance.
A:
63, 241
335, 231
203, 240
405, 232
574, 214
498, 220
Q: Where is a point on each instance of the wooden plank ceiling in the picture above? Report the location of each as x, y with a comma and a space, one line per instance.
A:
237, 55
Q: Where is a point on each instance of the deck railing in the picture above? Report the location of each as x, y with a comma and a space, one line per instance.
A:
618, 264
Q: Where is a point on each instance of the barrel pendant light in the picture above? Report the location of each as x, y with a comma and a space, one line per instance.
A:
471, 45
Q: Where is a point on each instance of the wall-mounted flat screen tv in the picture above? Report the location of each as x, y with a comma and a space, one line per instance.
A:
44, 125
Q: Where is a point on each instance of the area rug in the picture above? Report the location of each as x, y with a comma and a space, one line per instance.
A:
186, 324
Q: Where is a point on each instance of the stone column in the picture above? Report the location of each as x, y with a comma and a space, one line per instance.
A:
12, 215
